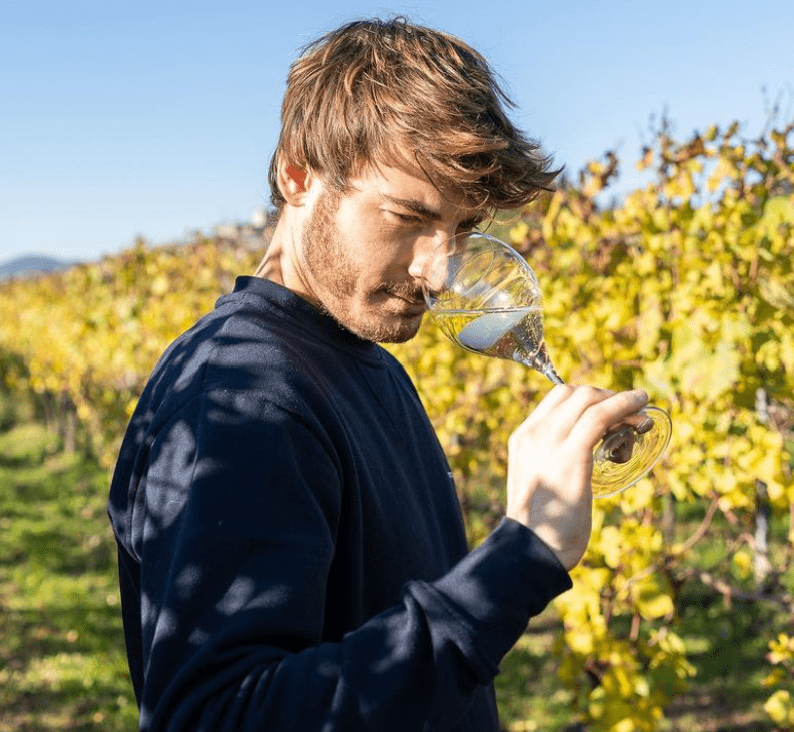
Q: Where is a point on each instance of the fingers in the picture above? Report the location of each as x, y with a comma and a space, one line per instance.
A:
575, 399
571, 402
598, 417
639, 422
583, 414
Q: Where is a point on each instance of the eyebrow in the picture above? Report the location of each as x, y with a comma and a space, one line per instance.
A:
417, 207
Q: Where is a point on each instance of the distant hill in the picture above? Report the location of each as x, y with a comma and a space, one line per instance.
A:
31, 265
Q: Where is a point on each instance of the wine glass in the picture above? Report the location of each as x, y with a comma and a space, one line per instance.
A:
485, 297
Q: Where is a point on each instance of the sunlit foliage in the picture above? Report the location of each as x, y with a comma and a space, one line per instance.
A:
684, 287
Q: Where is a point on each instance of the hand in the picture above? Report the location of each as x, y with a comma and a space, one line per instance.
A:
550, 463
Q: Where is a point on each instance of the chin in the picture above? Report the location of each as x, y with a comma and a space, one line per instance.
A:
398, 337
387, 330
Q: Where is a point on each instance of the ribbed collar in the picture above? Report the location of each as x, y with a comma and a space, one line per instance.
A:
303, 315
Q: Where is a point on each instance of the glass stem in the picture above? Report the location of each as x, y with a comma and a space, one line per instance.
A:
548, 371
540, 361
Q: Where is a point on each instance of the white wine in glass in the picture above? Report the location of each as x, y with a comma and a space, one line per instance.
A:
486, 298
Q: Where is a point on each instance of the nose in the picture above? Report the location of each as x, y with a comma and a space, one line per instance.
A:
428, 261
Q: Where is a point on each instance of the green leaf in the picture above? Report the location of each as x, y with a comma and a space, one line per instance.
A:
652, 598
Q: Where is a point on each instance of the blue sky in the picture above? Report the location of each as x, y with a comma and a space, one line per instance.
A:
157, 118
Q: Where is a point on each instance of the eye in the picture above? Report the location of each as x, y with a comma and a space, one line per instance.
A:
408, 218
468, 226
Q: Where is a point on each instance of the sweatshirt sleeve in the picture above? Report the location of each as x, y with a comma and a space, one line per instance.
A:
234, 526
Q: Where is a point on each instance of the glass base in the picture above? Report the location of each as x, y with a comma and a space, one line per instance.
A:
626, 455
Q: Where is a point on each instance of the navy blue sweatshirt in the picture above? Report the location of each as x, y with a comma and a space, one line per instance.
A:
291, 549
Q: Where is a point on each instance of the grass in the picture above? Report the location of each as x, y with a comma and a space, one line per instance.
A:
727, 647
62, 661
529, 694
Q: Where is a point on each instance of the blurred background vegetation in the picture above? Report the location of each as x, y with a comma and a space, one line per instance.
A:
682, 615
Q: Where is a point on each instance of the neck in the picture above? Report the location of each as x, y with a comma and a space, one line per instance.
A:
277, 264
280, 263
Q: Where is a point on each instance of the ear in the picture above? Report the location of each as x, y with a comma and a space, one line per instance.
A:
298, 176
294, 183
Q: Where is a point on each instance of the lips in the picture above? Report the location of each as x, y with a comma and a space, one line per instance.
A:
415, 307
408, 294
408, 305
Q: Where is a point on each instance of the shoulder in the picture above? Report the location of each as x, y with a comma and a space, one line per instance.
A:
261, 357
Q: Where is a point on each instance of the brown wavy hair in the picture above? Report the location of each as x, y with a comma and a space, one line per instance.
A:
381, 91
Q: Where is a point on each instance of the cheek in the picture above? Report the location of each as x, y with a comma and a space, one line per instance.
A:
379, 250
376, 260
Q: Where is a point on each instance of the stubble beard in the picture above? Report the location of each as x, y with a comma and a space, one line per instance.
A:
334, 278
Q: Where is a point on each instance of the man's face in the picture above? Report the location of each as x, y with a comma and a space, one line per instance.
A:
362, 252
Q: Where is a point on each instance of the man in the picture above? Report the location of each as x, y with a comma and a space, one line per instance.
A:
291, 550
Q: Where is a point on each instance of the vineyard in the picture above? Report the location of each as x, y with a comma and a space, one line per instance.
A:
684, 287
